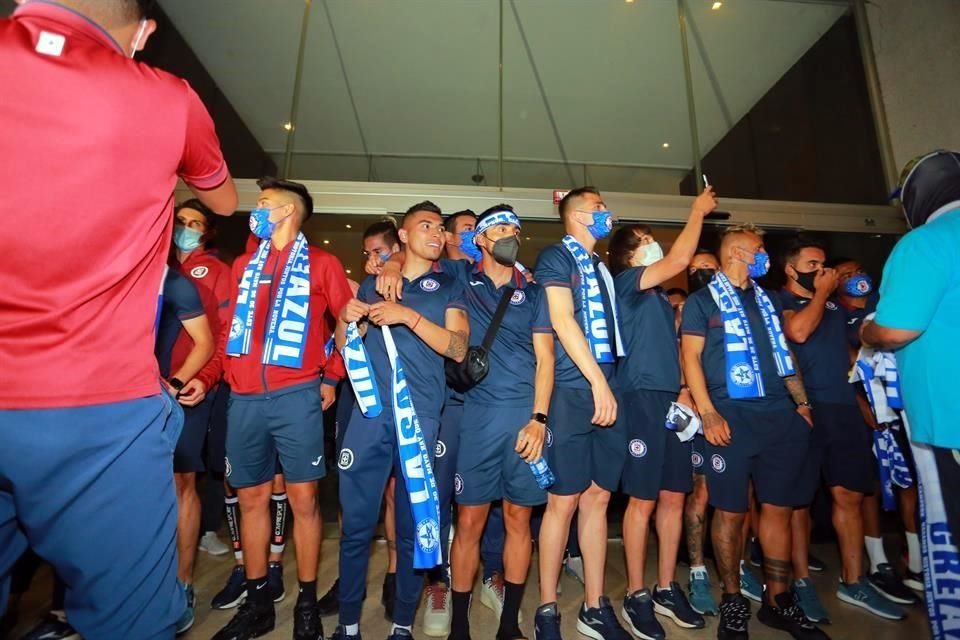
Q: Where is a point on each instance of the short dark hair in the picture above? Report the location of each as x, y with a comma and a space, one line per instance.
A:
450, 224
676, 291
833, 263
209, 217
799, 244
386, 228
426, 205
622, 245
299, 190
495, 209
567, 202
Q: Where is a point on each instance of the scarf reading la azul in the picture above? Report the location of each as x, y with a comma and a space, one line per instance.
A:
360, 373
891, 466
593, 315
415, 463
286, 335
744, 378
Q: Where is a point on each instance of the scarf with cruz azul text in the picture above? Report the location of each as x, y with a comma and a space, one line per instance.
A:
596, 326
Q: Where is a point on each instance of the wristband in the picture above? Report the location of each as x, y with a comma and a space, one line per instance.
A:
539, 417
176, 384
414, 325
805, 404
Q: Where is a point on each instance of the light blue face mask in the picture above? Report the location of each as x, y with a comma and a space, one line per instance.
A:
260, 223
186, 239
859, 286
385, 255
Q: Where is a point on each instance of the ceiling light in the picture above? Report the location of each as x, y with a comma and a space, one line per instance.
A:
288, 126
629, 1
716, 5
666, 145
526, 237
349, 226
326, 242
349, 272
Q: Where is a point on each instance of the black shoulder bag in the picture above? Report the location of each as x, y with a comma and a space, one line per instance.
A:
465, 375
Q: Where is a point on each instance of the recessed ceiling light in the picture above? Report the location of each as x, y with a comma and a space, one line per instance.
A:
349, 226
666, 145
629, 1
348, 271
526, 237
326, 242
288, 126
716, 5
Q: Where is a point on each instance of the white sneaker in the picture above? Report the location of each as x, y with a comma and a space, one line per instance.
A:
492, 593
212, 544
573, 566
438, 612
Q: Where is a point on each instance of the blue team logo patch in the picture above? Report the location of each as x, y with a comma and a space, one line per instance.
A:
346, 459
199, 272
696, 459
440, 450
638, 448
428, 534
549, 437
458, 484
429, 285
236, 328
718, 463
741, 374
227, 468
518, 297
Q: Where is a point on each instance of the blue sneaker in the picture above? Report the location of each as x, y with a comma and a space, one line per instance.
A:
341, 634
749, 585
862, 594
546, 623
673, 603
234, 592
701, 598
809, 601
275, 581
187, 618
600, 623
637, 612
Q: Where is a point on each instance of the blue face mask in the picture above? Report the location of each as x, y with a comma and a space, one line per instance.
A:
185, 238
602, 224
760, 266
858, 286
467, 245
260, 224
385, 255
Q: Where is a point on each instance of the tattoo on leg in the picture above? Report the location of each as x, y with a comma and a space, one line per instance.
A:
726, 548
776, 571
694, 527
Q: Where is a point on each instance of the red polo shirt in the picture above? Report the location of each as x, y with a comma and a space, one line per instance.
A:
91, 147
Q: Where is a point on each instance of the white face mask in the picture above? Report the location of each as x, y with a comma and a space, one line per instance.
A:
650, 253
137, 38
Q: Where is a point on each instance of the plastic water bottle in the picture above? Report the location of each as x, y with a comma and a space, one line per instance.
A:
542, 473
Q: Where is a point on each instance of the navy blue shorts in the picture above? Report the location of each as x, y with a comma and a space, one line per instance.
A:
579, 452
657, 460
696, 454
188, 456
768, 445
287, 423
216, 450
90, 489
840, 451
488, 467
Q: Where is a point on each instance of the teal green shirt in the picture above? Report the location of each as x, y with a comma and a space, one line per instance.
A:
921, 292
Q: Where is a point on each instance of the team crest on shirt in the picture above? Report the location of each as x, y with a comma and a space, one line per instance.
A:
741, 374
518, 297
718, 463
236, 328
199, 272
831, 306
549, 437
458, 484
638, 448
696, 459
428, 534
346, 459
440, 450
227, 468
429, 285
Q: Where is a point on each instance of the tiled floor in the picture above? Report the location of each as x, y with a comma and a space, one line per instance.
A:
848, 622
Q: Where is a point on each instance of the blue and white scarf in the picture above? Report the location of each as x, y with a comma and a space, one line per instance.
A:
744, 378
415, 463
878, 372
891, 465
361, 373
593, 315
287, 327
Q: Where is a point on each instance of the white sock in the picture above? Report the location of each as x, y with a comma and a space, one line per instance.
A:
875, 552
914, 561
698, 571
741, 567
351, 629
400, 626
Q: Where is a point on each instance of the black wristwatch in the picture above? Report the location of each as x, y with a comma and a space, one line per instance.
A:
805, 404
176, 383
539, 417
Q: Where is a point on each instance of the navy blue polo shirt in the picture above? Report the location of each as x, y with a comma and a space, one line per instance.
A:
461, 269
701, 317
556, 267
649, 336
855, 317
430, 295
824, 359
181, 302
513, 362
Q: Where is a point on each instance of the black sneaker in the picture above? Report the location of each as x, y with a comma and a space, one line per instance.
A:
388, 597
52, 627
400, 634
637, 612
234, 592
815, 564
913, 580
673, 603
734, 616
788, 616
250, 622
546, 623
329, 604
891, 587
600, 623
275, 581
341, 634
756, 553
306, 622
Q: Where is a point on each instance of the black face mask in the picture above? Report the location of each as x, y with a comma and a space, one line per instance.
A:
805, 280
700, 278
505, 250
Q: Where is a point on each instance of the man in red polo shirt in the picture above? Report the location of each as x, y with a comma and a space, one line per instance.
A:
92, 146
